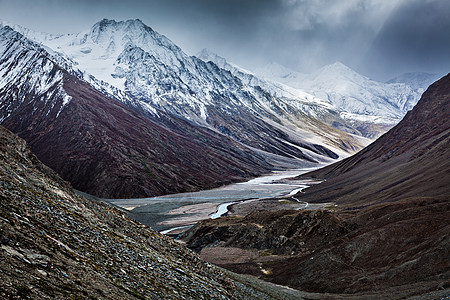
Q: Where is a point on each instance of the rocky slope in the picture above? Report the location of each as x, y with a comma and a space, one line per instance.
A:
102, 146
383, 252
385, 233
55, 244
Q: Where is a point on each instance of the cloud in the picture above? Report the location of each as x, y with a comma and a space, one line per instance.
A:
415, 38
310, 15
310, 34
377, 37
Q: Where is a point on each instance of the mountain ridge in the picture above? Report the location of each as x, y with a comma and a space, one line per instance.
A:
365, 107
181, 84
353, 93
102, 146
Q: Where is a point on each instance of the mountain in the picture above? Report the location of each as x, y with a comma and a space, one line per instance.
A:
416, 80
101, 145
131, 58
280, 73
358, 99
57, 245
383, 231
289, 101
411, 160
360, 95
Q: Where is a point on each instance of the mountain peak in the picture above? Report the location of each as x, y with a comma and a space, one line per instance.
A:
130, 24
208, 55
134, 31
106, 29
338, 71
338, 67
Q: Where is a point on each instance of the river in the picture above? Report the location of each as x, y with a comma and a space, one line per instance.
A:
179, 211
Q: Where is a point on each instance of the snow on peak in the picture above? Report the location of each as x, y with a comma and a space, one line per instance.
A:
27, 67
127, 32
96, 51
356, 96
354, 93
36, 36
280, 73
208, 55
337, 65
417, 80
296, 97
338, 71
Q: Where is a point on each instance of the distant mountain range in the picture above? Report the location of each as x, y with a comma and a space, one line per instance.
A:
356, 97
416, 80
244, 125
366, 107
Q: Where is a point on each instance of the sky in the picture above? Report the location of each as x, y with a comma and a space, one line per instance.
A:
377, 38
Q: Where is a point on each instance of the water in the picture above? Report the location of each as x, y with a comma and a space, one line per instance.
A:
178, 210
222, 209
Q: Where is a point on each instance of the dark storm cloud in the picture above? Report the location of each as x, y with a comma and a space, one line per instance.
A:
379, 37
415, 38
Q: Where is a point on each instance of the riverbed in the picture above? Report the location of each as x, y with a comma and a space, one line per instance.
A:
182, 210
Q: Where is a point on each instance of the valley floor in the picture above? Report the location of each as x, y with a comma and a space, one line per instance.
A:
186, 209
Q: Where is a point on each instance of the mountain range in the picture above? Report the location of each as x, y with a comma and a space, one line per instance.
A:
359, 99
99, 144
63, 94
120, 111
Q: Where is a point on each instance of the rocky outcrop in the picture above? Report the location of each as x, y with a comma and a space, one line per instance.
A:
57, 245
393, 249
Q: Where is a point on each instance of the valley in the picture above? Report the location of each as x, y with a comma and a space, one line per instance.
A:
186, 209
130, 169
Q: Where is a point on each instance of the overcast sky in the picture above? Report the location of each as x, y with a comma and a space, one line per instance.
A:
378, 38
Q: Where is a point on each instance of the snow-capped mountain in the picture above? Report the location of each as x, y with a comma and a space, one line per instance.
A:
358, 94
124, 146
102, 146
419, 81
129, 58
285, 102
326, 111
279, 73
356, 97
27, 76
279, 91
